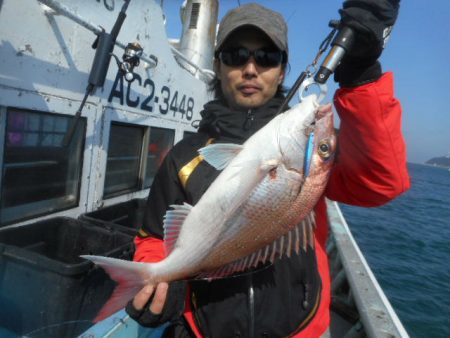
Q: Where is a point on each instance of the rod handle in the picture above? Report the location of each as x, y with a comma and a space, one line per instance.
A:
341, 44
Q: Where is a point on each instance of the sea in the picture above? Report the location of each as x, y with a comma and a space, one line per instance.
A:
407, 244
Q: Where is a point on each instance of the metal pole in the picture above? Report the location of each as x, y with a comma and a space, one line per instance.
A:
205, 72
152, 61
65, 11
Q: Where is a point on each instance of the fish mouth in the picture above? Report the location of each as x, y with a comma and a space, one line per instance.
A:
323, 120
323, 112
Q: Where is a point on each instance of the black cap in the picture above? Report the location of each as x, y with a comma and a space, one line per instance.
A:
270, 22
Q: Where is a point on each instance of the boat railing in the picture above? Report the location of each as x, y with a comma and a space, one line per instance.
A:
354, 284
206, 75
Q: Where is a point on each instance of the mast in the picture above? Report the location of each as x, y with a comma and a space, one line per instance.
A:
199, 21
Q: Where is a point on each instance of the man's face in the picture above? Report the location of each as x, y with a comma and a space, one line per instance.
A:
250, 85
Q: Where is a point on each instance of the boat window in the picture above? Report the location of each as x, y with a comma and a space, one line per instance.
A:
160, 142
40, 174
124, 159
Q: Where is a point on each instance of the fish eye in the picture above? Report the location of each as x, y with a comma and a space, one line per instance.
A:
324, 149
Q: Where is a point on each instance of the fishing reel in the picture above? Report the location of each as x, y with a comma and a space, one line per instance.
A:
130, 60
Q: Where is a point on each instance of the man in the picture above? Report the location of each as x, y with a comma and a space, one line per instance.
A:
292, 296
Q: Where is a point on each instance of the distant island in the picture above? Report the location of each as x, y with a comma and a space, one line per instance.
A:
443, 161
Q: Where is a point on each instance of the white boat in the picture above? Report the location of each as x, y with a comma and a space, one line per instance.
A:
125, 128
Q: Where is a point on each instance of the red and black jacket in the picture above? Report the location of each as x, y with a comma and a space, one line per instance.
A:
292, 296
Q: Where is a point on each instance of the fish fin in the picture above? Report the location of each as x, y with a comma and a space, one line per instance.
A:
266, 254
288, 237
173, 220
299, 237
219, 155
130, 276
223, 271
306, 230
252, 167
304, 235
311, 225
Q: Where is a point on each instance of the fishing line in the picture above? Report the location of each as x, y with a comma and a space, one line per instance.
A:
37, 332
341, 39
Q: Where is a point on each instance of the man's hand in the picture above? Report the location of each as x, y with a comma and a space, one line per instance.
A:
147, 306
155, 305
372, 22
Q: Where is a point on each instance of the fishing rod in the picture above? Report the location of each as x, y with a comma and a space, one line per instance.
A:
341, 44
104, 45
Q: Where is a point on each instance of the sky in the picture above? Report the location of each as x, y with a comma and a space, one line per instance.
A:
418, 53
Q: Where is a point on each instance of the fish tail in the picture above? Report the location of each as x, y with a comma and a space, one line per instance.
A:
130, 277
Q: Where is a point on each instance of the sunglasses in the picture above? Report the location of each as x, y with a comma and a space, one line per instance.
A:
264, 57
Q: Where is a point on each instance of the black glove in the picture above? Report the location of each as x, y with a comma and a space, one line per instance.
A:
173, 307
371, 21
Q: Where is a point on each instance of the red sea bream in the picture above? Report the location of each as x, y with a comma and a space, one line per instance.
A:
258, 209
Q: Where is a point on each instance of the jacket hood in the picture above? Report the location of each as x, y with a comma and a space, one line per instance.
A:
222, 122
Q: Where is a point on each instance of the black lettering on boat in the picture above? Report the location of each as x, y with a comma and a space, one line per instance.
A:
145, 104
117, 92
129, 101
165, 109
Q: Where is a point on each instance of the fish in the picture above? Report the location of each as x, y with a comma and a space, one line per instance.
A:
258, 209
